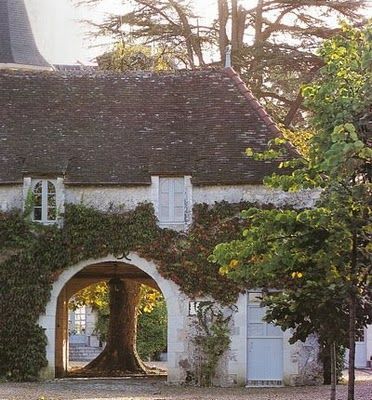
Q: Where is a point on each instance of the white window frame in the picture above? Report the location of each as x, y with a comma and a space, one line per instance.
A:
44, 200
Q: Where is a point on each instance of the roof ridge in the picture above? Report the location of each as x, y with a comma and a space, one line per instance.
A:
252, 100
91, 71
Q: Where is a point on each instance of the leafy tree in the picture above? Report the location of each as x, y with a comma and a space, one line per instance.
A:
117, 301
320, 258
281, 55
151, 319
152, 330
273, 41
95, 296
130, 57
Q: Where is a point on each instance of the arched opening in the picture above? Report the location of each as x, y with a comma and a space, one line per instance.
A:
132, 269
100, 284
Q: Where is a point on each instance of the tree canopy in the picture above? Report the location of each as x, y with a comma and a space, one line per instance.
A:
273, 41
320, 258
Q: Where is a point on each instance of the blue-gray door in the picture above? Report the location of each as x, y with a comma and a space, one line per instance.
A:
265, 347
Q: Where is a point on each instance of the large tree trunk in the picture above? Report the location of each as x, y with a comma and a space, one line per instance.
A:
120, 354
223, 17
192, 43
238, 20
258, 45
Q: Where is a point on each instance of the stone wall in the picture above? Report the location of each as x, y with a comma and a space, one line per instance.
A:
104, 197
253, 193
304, 358
11, 196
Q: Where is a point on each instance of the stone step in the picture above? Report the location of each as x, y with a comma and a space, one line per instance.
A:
83, 353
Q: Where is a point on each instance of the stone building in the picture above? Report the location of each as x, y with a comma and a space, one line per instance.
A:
108, 139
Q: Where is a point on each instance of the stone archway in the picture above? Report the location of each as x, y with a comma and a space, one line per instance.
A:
177, 307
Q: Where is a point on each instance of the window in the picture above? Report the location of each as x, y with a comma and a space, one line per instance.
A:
78, 321
172, 200
45, 208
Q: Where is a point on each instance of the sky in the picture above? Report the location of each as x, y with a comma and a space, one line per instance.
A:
63, 38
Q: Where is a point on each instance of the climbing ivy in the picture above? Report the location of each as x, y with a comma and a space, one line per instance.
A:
212, 340
32, 256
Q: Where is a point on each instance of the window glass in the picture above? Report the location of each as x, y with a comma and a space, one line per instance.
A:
38, 190
45, 203
37, 214
52, 214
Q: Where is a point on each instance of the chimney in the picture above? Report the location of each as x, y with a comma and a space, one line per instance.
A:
228, 63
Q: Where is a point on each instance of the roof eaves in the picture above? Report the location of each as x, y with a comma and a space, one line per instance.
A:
221, 182
106, 183
7, 183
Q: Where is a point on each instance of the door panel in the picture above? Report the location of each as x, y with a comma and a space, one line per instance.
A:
265, 347
265, 359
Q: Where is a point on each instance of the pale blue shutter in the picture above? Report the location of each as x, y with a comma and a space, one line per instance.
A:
172, 200
178, 200
164, 199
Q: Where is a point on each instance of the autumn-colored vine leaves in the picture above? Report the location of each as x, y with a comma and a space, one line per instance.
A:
320, 258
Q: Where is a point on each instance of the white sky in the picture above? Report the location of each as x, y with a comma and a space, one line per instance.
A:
62, 37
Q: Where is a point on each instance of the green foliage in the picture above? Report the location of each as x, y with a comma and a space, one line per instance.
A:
325, 359
152, 331
132, 57
95, 296
212, 340
33, 256
102, 323
319, 258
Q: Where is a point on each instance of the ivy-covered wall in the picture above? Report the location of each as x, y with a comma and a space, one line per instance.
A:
33, 255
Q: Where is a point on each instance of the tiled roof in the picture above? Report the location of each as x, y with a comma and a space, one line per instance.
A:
17, 44
109, 128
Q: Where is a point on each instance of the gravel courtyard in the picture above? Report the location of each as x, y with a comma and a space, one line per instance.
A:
156, 389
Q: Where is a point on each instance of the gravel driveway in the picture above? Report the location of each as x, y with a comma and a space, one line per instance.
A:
156, 389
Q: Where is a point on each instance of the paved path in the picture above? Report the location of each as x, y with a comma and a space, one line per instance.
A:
155, 389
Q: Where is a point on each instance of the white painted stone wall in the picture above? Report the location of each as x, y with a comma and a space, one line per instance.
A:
104, 197
368, 338
11, 196
253, 193
301, 364
128, 197
237, 357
